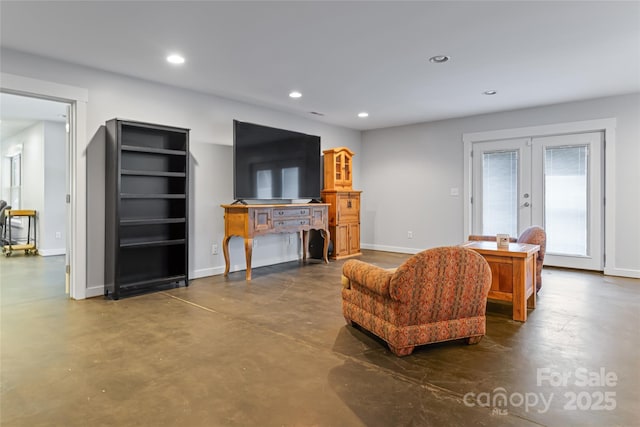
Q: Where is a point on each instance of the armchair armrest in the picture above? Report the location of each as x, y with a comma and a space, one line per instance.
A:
369, 276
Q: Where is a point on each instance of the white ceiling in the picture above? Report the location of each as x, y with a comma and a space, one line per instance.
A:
347, 57
20, 112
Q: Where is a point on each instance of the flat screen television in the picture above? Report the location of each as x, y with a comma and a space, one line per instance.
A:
274, 164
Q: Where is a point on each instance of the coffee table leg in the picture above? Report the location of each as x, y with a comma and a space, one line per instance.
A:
531, 302
519, 289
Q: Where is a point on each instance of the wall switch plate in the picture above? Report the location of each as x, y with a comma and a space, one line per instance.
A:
454, 191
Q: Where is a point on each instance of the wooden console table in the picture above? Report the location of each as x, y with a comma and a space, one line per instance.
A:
513, 274
249, 221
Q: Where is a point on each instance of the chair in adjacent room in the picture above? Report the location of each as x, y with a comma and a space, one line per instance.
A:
3, 207
439, 294
534, 235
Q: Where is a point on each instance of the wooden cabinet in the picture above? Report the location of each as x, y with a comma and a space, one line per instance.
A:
338, 169
146, 206
344, 210
344, 221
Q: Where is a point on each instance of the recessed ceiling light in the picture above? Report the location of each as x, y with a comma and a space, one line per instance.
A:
439, 59
490, 92
295, 94
363, 114
175, 59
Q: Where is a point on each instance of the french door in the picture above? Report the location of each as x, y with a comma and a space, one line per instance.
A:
551, 181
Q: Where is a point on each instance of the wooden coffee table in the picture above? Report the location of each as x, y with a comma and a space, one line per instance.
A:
513, 274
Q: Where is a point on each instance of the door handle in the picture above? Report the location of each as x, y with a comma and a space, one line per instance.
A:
526, 204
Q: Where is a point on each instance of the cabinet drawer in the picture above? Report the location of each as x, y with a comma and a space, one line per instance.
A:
282, 213
284, 223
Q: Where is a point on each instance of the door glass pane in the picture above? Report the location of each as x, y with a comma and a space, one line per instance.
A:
565, 199
500, 193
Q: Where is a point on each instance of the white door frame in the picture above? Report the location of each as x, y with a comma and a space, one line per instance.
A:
607, 126
77, 98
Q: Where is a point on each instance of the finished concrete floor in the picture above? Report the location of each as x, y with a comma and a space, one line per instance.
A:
276, 352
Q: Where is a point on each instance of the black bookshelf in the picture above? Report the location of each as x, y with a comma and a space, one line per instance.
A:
146, 207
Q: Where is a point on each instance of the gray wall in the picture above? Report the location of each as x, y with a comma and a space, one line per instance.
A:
409, 171
210, 120
406, 172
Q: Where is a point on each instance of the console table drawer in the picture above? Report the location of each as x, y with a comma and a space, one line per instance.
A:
282, 213
291, 222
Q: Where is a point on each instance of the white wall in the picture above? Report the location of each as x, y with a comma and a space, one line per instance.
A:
53, 218
30, 140
210, 120
411, 169
43, 183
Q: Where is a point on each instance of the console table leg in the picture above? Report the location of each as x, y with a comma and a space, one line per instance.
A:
225, 251
325, 249
248, 249
304, 234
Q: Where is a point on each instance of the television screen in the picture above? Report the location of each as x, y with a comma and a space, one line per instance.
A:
274, 164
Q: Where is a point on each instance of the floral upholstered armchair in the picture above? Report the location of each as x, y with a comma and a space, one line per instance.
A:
534, 235
437, 295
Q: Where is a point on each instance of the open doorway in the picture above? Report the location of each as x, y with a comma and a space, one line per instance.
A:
34, 177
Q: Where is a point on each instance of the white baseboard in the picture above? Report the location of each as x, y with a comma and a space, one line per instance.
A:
215, 271
52, 252
622, 272
94, 291
206, 272
385, 248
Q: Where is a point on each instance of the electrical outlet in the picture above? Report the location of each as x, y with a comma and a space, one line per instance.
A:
58, 235
410, 234
214, 249
292, 239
